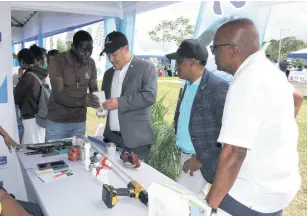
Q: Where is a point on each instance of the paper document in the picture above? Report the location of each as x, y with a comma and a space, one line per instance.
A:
102, 98
50, 177
174, 202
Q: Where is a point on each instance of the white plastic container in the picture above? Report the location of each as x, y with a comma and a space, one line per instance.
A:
87, 161
174, 202
102, 176
111, 150
94, 171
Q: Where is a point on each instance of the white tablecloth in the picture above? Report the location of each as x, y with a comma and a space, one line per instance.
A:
81, 194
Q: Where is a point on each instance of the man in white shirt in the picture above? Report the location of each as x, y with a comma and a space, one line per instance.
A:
130, 87
257, 172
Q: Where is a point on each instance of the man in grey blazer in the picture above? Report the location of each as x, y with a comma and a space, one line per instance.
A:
131, 88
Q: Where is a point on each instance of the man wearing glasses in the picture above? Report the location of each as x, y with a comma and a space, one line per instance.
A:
257, 173
198, 116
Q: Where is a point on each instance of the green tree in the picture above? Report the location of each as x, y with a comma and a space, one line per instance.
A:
61, 46
172, 31
68, 45
298, 62
288, 44
89, 30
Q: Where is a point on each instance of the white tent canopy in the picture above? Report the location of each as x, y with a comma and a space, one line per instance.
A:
46, 17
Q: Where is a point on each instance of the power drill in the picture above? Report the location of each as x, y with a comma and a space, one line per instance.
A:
133, 190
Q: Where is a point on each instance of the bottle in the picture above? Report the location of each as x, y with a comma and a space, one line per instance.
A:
80, 142
87, 161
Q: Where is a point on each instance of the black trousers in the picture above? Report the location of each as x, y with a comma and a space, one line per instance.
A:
235, 208
143, 152
287, 73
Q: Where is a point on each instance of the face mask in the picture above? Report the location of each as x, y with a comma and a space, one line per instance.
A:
45, 65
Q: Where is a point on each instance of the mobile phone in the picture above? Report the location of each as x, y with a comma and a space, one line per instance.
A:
49, 165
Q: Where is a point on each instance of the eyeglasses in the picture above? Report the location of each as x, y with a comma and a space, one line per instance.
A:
213, 47
180, 61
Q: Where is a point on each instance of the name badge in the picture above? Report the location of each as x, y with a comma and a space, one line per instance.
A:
87, 76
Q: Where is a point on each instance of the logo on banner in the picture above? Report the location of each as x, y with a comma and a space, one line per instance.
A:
3, 162
236, 4
3, 89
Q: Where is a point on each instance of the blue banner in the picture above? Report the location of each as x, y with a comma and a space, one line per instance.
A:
3, 91
212, 14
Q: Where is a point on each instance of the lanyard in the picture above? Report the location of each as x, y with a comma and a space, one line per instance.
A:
77, 77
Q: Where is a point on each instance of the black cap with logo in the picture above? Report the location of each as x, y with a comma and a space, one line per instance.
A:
190, 48
113, 42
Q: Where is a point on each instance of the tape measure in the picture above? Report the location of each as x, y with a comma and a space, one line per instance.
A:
74, 153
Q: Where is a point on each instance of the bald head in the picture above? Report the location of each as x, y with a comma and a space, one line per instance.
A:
234, 42
243, 33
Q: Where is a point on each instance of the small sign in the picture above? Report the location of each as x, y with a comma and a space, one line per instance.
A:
3, 161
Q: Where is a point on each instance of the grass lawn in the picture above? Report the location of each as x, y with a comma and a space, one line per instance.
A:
298, 207
168, 78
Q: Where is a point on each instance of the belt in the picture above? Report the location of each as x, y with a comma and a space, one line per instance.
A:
117, 133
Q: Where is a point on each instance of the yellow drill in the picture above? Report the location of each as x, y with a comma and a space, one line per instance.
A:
133, 190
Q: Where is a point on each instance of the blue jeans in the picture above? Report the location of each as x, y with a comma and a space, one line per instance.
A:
56, 130
235, 208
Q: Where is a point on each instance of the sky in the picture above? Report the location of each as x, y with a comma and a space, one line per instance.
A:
290, 16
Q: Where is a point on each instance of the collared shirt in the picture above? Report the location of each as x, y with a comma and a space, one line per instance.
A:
70, 106
116, 89
183, 140
259, 116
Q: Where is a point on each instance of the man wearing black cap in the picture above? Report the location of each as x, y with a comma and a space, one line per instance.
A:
198, 116
130, 87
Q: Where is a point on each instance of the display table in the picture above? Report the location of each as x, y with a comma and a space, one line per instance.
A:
81, 194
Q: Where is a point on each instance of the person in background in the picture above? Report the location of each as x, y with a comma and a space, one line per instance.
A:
40, 60
288, 69
26, 96
72, 74
257, 172
131, 88
285, 66
16, 78
51, 54
299, 68
45, 64
38, 55
198, 116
